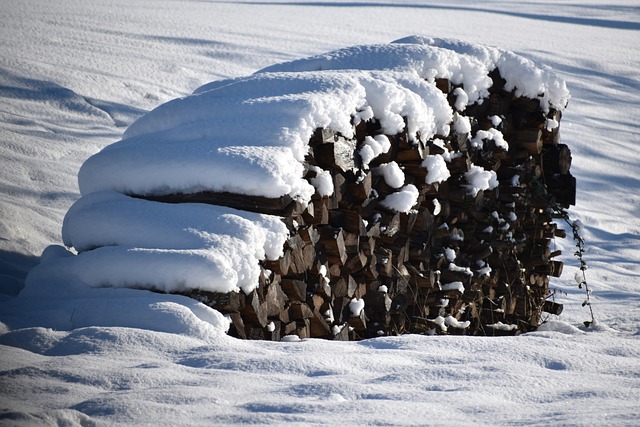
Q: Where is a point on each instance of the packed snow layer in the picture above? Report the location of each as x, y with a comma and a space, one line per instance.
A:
56, 296
109, 219
128, 242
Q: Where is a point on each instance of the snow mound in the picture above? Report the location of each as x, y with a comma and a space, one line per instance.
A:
57, 296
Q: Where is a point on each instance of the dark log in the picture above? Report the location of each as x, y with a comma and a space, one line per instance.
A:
289, 328
339, 154
341, 312
426, 279
309, 234
459, 165
349, 220
563, 188
413, 155
356, 262
299, 311
360, 190
281, 265
556, 159
275, 299
530, 140
526, 104
332, 241
225, 303
318, 325
321, 136
556, 268
303, 328
339, 196
237, 328
552, 307
323, 288
296, 290
281, 206
255, 312
384, 262
498, 105
273, 331
444, 85
320, 212
340, 333
415, 170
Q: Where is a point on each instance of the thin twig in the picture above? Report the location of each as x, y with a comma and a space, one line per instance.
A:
582, 278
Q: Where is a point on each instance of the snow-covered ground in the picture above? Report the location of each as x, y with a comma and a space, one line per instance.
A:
74, 75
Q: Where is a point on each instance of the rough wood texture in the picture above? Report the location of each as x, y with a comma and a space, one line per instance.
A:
458, 263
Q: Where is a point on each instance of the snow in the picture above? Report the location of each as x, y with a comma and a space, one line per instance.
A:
480, 179
461, 124
372, 148
402, 200
455, 323
437, 207
73, 76
496, 120
322, 182
490, 134
356, 306
520, 73
453, 286
175, 247
458, 269
450, 254
462, 99
392, 174
463, 63
551, 124
437, 170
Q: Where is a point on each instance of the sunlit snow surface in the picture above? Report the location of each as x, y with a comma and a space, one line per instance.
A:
73, 76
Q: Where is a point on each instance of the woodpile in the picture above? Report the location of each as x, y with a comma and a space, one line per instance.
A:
459, 262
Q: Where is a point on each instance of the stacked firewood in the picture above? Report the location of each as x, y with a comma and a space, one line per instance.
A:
459, 262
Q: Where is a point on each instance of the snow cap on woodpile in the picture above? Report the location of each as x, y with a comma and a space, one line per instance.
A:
249, 135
